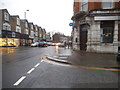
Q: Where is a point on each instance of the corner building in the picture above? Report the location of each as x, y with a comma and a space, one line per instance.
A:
96, 26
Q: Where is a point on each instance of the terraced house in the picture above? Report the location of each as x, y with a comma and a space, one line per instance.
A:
36, 32
24, 36
96, 26
18, 32
5, 28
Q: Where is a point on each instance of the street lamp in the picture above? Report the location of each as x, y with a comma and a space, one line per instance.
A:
25, 14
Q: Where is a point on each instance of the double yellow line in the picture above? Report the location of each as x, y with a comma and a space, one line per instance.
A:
76, 66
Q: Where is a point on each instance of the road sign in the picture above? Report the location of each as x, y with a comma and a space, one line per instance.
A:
71, 24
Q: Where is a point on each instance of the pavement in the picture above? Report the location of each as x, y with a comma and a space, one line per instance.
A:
88, 59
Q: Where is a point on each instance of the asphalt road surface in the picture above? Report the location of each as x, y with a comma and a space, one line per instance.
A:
24, 67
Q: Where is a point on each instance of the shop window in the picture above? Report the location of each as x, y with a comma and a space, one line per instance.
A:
107, 29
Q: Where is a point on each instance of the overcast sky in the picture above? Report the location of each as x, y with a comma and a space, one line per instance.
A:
53, 15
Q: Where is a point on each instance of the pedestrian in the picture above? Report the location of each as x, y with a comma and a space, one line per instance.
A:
65, 44
68, 44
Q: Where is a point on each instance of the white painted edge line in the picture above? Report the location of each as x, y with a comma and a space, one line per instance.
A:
19, 81
30, 70
37, 65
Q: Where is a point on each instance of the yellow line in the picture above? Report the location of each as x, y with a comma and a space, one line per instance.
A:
108, 69
75, 66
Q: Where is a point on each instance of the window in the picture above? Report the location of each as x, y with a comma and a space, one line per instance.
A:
18, 21
6, 16
76, 40
26, 31
26, 24
106, 5
36, 33
36, 28
6, 26
32, 34
40, 35
84, 5
107, 29
18, 29
31, 26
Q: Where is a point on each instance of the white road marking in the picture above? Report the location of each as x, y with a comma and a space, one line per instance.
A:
30, 71
20, 80
37, 65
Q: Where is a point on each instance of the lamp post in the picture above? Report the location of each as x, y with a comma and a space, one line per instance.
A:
25, 14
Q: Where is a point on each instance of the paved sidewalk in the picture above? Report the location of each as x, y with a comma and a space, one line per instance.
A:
87, 59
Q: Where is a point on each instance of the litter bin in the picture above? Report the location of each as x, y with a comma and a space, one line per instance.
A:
118, 54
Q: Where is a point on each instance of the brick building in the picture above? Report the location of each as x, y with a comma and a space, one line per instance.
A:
96, 26
18, 32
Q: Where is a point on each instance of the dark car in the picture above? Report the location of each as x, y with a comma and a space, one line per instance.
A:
42, 44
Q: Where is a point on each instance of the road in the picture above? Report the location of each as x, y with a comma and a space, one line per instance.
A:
23, 67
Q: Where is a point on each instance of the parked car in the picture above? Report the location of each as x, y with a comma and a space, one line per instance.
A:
34, 44
49, 43
42, 44
60, 44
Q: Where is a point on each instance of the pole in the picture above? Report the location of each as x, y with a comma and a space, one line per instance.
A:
25, 14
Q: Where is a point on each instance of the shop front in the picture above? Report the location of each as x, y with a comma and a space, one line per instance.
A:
24, 40
10, 42
9, 39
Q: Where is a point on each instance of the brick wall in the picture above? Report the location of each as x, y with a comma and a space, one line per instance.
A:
117, 4
94, 5
76, 7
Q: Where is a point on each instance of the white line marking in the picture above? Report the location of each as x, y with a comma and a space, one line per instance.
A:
37, 65
20, 80
30, 71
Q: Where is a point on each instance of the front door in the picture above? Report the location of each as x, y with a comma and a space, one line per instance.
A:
83, 37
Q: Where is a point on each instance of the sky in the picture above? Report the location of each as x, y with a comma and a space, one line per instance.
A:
53, 15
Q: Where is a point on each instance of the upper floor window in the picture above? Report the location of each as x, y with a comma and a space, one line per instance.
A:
18, 21
18, 29
6, 16
26, 24
26, 31
31, 26
6, 26
32, 34
36, 28
84, 5
40, 35
107, 5
36, 33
